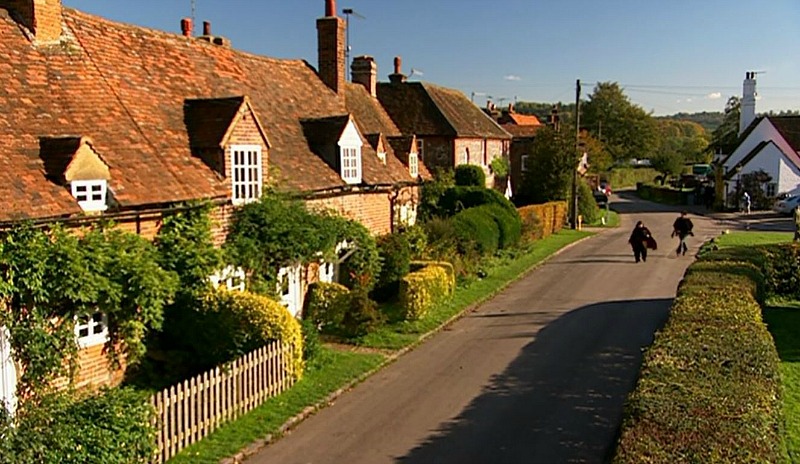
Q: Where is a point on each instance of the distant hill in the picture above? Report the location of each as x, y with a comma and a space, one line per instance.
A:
710, 120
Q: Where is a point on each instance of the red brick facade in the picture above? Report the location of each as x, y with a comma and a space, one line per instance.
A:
376, 210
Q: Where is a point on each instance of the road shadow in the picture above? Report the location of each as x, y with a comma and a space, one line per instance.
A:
554, 403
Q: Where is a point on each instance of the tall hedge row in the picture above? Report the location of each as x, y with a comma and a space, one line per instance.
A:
542, 220
709, 389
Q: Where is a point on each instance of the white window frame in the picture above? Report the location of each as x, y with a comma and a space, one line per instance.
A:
8, 373
96, 331
524, 163
91, 194
350, 157
382, 157
233, 278
327, 271
246, 173
413, 164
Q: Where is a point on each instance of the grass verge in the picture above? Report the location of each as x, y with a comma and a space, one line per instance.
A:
741, 238
784, 325
337, 369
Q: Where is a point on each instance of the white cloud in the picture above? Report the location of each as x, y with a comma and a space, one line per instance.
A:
714, 96
688, 100
512, 77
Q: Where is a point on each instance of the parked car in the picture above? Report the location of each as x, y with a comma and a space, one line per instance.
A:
787, 205
600, 198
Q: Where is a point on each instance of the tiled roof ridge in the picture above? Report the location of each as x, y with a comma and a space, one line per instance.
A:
459, 94
428, 85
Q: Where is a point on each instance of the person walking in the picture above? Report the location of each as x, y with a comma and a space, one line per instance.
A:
640, 240
797, 223
746, 201
682, 228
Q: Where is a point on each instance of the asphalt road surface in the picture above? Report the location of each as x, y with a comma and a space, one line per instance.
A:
538, 374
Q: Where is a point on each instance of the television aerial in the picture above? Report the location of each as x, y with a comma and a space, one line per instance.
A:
347, 12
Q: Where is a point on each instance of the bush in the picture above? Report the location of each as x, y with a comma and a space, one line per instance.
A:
447, 266
542, 220
362, 315
311, 343
113, 426
326, 304
363, 266
395, 254
474, 230
508, 224
587, 206
432, 192
470, 175
421, 290
457, 199
709, 388
782, 270
231, 324
417, 240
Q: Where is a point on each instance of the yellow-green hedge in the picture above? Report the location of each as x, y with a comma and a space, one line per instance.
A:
421, 290
255, 319
446, 265
326, 304
549, 218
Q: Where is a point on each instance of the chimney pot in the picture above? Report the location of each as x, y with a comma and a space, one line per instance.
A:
365, 72
330, 8
206, 27
186, 27
398, 63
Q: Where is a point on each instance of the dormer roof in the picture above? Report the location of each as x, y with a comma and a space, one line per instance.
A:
210, 121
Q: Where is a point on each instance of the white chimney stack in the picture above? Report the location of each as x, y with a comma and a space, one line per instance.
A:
748, 103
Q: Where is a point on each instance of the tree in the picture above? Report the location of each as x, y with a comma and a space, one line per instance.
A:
668, 163
599, 158
551, 163
625, 129
685, 140
726, 136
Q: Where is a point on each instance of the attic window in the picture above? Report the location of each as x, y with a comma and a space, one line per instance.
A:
351, 164
91, 329
382, 156
91, 194
413, 164
246, 173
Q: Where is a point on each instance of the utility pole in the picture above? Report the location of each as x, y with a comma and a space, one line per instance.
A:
574, 215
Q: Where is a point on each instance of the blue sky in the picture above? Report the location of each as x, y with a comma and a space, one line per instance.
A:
669, 56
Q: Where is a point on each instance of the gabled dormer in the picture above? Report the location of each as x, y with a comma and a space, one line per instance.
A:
379, 143
74, 163
227, 135
405, 148
339, 142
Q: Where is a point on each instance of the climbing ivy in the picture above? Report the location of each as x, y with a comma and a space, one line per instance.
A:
51, 276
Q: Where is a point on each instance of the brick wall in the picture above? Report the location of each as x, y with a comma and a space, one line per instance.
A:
245, 132
42, 17
372, 209
330, 52
438, 152
221, 217
94, 370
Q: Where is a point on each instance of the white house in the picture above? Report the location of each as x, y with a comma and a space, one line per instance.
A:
766, 143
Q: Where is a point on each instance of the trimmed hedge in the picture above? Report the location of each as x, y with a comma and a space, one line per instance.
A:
446, 265
470, 175
475, 230
326, 305
457, 199
709, 389
539, 221
508, 223
394, 251
421, 290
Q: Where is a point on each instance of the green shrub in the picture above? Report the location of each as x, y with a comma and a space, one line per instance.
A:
628, 177
362, 267
508, 223
231, 324
112, 426
470, 175
432, 192
475, 230
587, 206
362, 315
326, 304
395, 254
312, 346
782, 270
447, 266
421, 290
457, 199
417, 240
499, 167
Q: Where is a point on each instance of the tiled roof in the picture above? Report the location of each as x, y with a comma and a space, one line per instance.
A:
520, 131
789, 128
372, 117
136, 92
56, 154
522, 119
425, 109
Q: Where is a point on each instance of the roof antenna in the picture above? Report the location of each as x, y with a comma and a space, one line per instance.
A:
193, 10
415, 72
347, 12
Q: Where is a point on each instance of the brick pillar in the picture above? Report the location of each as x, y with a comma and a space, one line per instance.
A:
41, 17
330, 51
365, 72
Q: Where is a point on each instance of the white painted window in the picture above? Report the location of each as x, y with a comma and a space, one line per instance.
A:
413, 164
351, 164
91, 329
524, 163
289, 288
326, 272
382, 157
246, 173
8, 373
91, 194
407, 214
233, 278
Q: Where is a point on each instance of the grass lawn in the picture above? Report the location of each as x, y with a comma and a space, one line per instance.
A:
337, 369
783, 320
611, 219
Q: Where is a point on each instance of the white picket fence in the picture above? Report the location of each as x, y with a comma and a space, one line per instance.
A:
187, 412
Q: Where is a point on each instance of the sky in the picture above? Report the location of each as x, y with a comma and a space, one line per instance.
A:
669, 56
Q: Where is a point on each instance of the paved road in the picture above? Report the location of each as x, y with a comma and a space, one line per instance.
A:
538, 374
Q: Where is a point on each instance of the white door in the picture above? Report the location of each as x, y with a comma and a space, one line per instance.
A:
290, 288
8, 373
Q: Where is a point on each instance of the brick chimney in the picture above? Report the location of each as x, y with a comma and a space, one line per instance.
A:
397, 77
748, 107
365, 72
330, 48
186, 27
206, 27
41, 17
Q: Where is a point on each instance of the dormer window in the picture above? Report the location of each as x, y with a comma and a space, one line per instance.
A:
413, 164
246, 173
351, 164
91, 194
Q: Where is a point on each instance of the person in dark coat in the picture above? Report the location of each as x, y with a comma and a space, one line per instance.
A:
639, 241
682, 228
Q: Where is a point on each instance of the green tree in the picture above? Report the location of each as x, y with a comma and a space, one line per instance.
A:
625, 129
668, 163
726, 136
553, 159
599, 158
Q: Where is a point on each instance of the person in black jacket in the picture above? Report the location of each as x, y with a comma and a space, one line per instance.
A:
639, 238
682, 227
